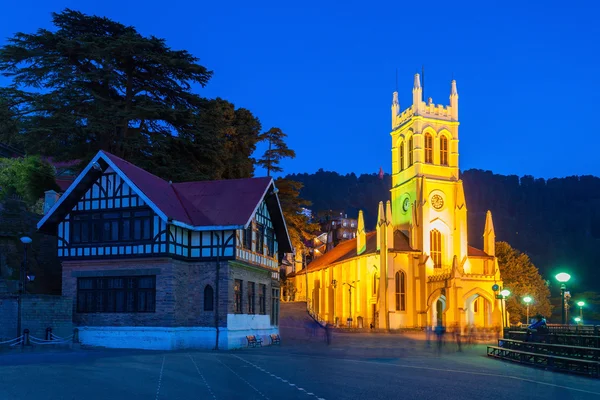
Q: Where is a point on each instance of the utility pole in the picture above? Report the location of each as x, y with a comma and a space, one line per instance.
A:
219, 241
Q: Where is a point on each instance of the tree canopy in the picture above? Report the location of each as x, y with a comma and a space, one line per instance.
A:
298, 224
96, 84
523, 279
27, 178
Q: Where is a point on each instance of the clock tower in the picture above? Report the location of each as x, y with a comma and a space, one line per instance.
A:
428, 202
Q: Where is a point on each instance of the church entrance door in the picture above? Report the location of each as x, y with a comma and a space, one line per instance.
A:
439, 311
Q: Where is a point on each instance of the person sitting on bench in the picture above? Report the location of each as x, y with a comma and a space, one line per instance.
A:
539, 327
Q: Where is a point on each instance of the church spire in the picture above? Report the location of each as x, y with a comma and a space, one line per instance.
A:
417, 94
454, 100
489, 235
361, 237
380, 224
389, 224
395, 108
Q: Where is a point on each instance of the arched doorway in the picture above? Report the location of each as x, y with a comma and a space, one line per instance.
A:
438, 311
478, 311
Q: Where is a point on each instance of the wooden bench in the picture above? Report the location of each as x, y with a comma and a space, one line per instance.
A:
275, 339
253, 341
576, 352
555, 363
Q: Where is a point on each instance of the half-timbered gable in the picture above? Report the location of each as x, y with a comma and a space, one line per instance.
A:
115, 209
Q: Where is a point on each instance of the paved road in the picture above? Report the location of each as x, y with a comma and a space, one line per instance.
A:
294, 371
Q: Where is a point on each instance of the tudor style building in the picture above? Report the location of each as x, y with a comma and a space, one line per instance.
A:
160, 265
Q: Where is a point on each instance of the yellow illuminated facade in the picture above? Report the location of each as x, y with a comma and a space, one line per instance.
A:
417, 268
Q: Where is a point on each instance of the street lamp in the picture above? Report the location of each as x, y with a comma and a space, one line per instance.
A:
577, 319
563, 278
527, 300
350, 287
504, 293
581, 304
334, 284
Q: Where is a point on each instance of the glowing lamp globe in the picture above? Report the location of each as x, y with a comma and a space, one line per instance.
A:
527, 299
563, 277
577, 319
505, 293
581, 303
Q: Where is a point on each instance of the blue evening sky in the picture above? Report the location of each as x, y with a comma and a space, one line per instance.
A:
324, 72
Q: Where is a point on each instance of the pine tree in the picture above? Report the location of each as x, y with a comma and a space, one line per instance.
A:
277, 150
292, 205
94, 83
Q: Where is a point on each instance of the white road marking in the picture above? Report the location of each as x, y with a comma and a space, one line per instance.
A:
479, 373
279, 378
245, 381
162, 367
202, 376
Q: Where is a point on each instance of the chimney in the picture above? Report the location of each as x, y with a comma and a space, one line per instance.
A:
50, 199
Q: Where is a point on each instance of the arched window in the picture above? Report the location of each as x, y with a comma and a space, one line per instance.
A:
428, 148
436, 248
374, 284
410, 151
443, 150
400, 291
208, 298
401, 156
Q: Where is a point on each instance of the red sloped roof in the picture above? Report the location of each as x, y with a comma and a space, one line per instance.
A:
159, 191
225, 204
347, 250
475, 252
202, 203
221, 203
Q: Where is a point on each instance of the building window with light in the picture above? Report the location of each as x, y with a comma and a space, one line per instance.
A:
400, 291
401, 157
436, 248
410, 151
443, 150
428, 148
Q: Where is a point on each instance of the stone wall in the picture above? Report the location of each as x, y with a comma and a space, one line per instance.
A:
38, 312
42, 311
8, 317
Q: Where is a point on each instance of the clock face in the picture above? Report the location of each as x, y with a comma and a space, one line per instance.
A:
437, 201
406, 204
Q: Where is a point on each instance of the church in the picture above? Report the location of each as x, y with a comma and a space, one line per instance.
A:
416, 269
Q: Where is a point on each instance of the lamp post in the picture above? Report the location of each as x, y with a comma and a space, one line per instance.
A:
334, 284
22, 284
504, 293
350, 287
581, 304
563, 278
578, 320
527, 300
